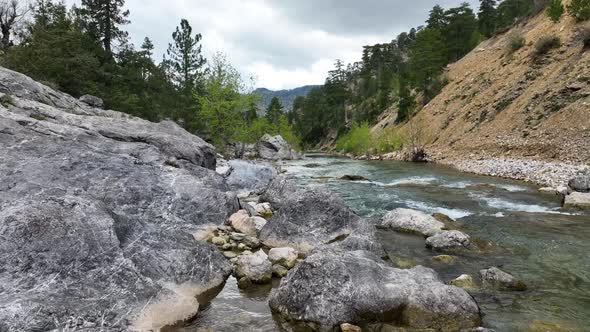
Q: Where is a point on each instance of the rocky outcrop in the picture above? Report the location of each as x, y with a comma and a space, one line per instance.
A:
275, 148
411, 221
306, 218
97, 212
250, 177
331, 287
448, 240
92, 101
495, 278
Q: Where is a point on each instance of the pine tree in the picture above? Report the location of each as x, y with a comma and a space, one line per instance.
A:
147, 48
251, 113
103, 19
487, 17
274, 111
186, 58
427, 59
437, 18
406, 103
460, 30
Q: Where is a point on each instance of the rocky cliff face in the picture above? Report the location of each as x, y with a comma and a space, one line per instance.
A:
513, 105
97, 209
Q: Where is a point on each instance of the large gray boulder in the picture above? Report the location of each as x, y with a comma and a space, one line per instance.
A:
249, 176
306, 218
332, 287
275, 148
97, 215
580, 183
412, 221
496, 278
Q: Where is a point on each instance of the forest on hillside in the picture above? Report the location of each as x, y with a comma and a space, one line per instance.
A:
85, 49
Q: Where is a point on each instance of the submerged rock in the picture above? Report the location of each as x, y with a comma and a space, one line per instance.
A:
446, 240
255, 267
353, 178
100, 208
331, 287
275, 148
496, 278
463, 281
577, 200
412, 221
345, 327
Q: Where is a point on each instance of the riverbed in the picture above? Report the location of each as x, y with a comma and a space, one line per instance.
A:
522, 230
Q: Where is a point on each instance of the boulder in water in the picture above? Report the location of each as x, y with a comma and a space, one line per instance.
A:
331, 287
353, 178
275, 148
577, 200
463, 281
446, 240
305, 218
496, 278
412, 221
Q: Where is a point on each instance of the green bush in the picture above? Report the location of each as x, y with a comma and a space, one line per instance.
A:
515, 42
554, 10
546, 44
585, 37
579, 9
357, 140
389, 140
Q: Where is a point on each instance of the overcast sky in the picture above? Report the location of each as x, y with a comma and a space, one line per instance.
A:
284, 43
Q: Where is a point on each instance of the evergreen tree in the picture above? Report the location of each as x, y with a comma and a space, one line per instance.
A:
274, 111
406, 103
509, 11
186, 59
427, 59
487, 17
251, 113
147, 48
437, 19
460, 31
103, 19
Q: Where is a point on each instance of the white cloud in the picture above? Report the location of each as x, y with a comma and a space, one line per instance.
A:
284, 43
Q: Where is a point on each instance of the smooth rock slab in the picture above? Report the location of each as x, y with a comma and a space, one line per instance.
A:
249, 176
412, 221
331, 287
496, 278
447, 240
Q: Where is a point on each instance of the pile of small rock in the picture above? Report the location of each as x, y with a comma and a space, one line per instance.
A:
240, 244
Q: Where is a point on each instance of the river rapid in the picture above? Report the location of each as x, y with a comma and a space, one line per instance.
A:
524, 231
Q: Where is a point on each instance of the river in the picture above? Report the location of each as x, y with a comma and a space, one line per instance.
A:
525, 232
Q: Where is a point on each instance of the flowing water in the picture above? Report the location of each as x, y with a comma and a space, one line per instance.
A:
525, 232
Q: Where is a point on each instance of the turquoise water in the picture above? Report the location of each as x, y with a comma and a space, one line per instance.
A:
524, 231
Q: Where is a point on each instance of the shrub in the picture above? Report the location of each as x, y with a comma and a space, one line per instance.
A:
389, 140
515, 42
546, 44
579, 9
585, 37
554, 10
357, 141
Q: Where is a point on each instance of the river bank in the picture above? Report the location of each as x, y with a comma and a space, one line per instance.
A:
543, 173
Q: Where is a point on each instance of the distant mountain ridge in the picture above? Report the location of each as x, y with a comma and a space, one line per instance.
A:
286, 97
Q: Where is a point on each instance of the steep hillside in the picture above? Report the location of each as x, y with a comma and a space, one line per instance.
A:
286, 97
502, 105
